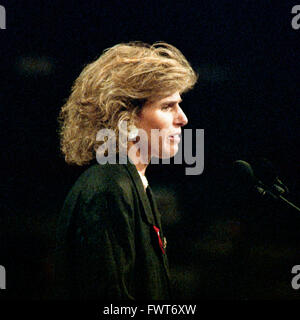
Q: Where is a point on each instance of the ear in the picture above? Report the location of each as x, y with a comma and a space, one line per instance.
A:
132, 132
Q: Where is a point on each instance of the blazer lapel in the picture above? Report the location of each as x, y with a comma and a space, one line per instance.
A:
158, 219
155, 209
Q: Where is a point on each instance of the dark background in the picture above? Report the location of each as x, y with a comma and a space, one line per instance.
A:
223, 241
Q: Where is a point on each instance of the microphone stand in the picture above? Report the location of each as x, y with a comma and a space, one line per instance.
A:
289, 203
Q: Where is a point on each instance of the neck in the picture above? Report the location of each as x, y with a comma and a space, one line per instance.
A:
141, 168
141, 162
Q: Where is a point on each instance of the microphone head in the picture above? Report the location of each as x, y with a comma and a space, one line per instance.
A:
242, 184
244, 172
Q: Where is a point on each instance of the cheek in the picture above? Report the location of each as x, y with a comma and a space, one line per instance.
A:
157, 123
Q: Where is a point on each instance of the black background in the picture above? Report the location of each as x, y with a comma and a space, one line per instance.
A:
222, 242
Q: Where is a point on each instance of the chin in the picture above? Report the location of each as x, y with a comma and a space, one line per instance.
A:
168, 153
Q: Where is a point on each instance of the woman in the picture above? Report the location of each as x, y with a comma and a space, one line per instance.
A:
110, 243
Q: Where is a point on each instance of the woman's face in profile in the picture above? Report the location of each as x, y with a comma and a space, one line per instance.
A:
162, 120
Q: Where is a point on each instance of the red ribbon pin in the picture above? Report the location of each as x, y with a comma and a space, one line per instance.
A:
159, 239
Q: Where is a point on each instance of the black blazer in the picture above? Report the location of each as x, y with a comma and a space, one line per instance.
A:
107, 245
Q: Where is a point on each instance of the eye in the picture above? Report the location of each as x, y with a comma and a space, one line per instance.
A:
166, 107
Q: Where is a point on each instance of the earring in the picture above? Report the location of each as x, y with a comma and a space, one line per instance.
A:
132, 132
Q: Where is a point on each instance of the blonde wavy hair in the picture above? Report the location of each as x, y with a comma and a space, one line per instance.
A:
114, 88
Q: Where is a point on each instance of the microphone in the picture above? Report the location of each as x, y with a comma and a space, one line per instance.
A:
272, 191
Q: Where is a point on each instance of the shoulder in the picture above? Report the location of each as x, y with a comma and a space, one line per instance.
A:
104, 179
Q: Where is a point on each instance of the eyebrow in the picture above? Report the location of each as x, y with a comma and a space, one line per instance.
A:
172, 101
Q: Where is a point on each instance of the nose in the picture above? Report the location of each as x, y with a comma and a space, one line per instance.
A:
181, 118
